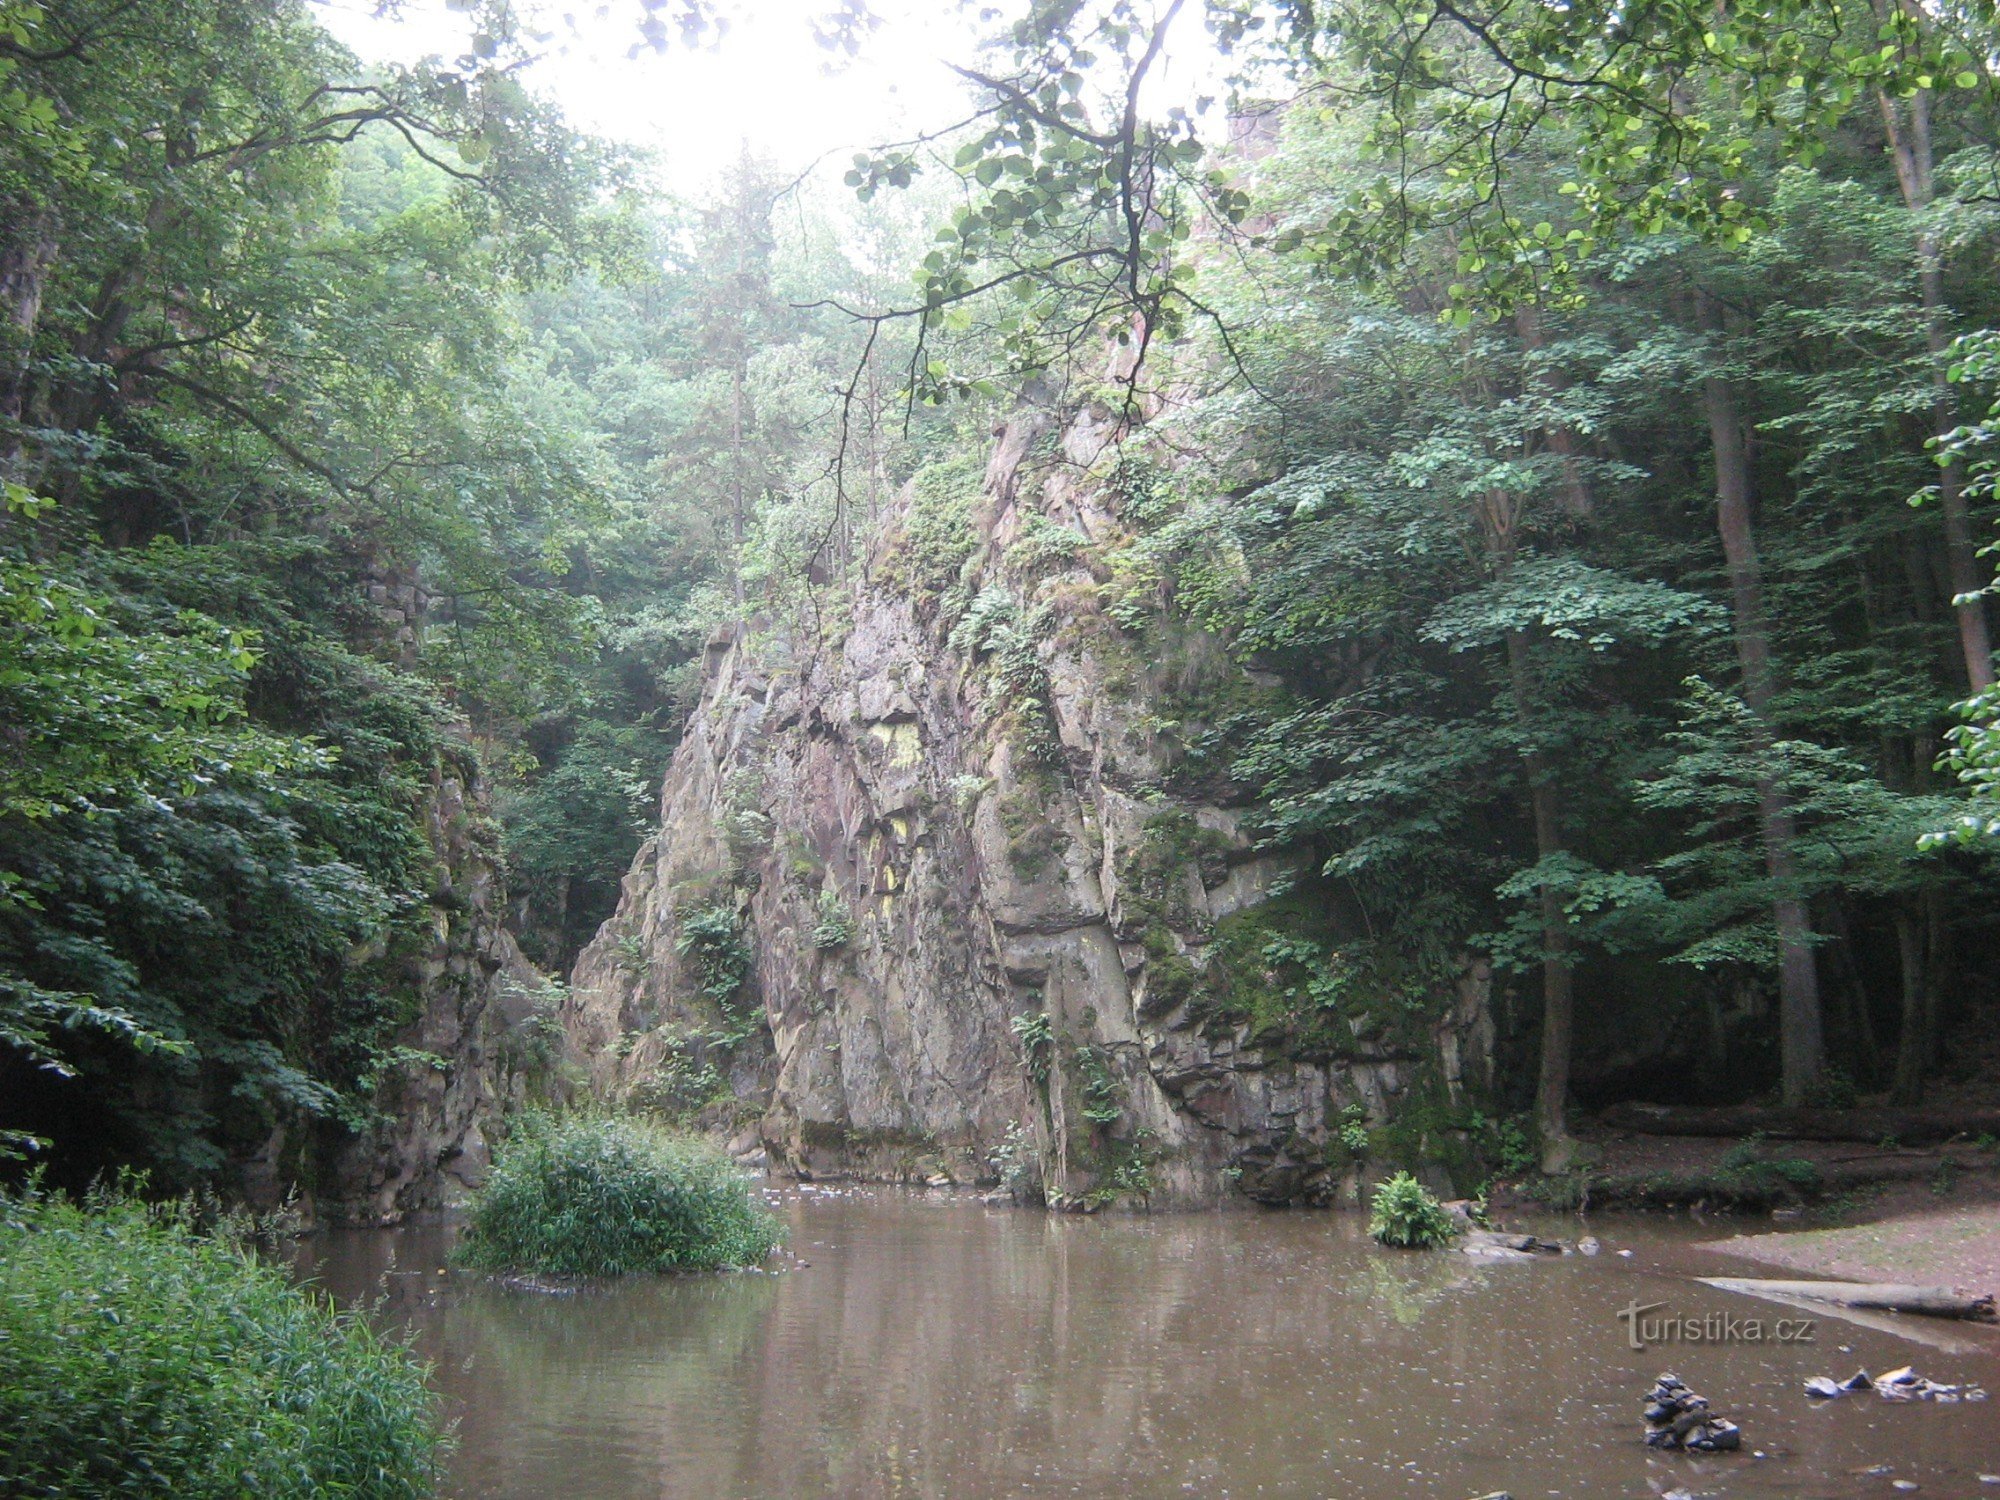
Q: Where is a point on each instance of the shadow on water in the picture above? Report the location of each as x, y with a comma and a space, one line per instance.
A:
931, 1347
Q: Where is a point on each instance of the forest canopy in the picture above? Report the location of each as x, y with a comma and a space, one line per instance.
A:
1583, 417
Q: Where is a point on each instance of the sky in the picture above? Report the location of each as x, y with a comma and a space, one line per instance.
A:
767, 83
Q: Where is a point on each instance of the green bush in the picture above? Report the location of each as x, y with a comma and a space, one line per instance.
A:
600, 1195
1354, 1131
835, 927
139, 1357
1408, 1217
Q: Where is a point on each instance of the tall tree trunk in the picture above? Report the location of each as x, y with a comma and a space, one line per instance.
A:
1913, 1042
27, 246
1908, 127
1558, 994
1801, 1044
1559, 435
1498, 519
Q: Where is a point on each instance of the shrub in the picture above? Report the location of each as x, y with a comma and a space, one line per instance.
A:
600, 1195
1408, 1217
711, 940
1101, 1088
1747, 1164
143, 1358
1036, 1034
835, 925
1354, 1131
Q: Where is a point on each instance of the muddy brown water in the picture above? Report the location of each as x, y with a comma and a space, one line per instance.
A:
929, 1346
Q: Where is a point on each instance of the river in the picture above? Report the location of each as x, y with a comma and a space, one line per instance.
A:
925, 1345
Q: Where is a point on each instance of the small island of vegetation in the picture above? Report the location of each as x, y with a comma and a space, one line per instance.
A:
602, 1195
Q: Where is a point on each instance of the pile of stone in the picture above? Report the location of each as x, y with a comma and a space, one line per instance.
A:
1679, 1419
1898, 1385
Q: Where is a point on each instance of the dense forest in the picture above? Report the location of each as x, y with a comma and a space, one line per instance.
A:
1574, 421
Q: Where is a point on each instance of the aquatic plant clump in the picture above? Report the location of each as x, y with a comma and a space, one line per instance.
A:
1408, 1217
141, 1357
601, 1195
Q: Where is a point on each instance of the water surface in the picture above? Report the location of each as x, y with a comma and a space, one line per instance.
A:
929, 1346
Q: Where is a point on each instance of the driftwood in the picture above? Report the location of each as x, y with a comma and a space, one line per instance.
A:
1930, 1332
1927, 1301
1910, 1127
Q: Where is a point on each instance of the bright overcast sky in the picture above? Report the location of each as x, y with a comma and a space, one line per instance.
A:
767, 82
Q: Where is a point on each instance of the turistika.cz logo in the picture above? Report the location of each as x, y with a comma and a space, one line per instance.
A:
1711, 1328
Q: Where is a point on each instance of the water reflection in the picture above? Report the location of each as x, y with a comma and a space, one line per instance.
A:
931, 1347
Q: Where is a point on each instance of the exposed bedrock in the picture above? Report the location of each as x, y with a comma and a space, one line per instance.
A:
481, 1041
937, 891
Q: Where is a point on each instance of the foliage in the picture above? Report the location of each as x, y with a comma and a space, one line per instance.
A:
936, 539
1124, 1169
1974, 757
685, 1083
268, 490
1102, 1089
1015, 1160
833, 926
600, 1195
99, 715
1283, 969
1353, 1132
1403, 1214
711, 941
570, 829
146, 1357
1513, 1146
1036, 1034
1747, 1162
241, 922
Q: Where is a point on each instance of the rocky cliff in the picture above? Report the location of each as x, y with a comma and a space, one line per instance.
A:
945, 888
483, 1036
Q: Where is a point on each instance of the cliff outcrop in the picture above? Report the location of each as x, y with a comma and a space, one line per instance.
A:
946, 888
483, 1037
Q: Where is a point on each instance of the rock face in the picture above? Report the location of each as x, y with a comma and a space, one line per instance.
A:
946, 889
485, 1016
484, 1036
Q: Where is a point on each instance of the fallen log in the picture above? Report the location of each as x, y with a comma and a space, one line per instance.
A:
1882, 1296
1929, 1332
1909, 1127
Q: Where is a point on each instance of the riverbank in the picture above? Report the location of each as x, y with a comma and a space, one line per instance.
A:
1907, 1236
1826, 1182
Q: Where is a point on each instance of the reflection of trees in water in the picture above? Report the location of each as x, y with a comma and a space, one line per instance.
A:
1414, 1281
633, 1364
940, 1350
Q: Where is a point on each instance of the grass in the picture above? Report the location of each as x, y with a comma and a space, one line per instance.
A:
602, 1195
1408, 1217
139, 1356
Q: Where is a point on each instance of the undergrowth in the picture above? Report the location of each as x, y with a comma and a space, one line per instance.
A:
144, 1357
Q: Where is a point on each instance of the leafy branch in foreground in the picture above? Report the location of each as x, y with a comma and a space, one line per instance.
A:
147, 1356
